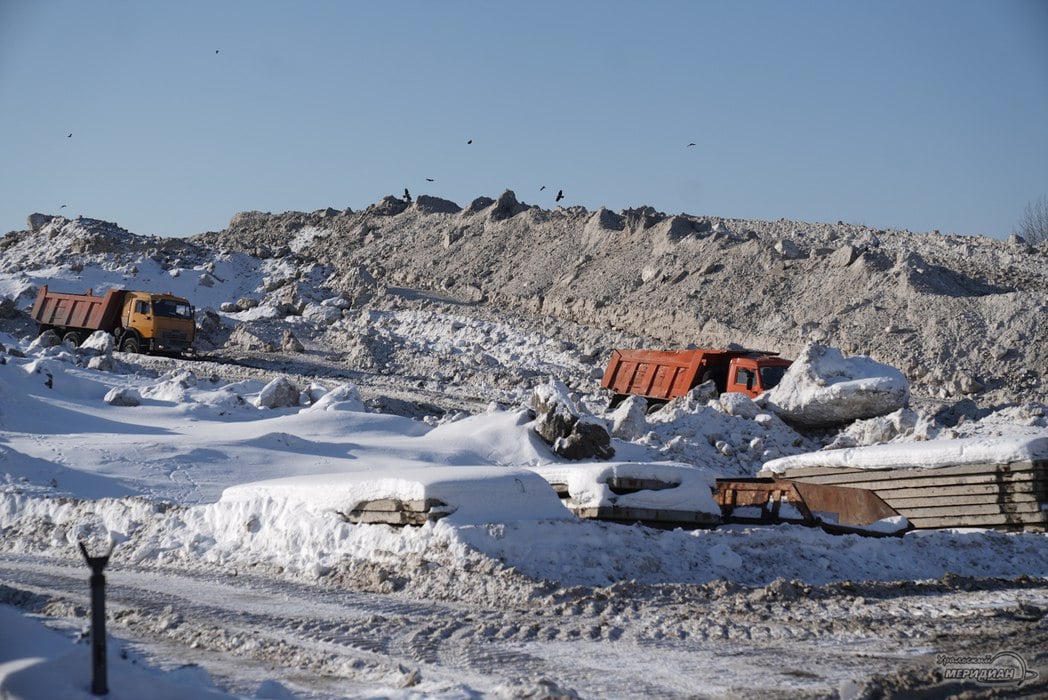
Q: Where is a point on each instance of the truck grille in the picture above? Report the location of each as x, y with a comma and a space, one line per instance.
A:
173, 340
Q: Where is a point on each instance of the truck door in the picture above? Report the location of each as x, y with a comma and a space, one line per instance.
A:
139, 316
744, 381
742, 378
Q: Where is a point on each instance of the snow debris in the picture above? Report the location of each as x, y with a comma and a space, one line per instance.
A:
628, 420
570, 432
904, 424
279, 393
344, 397
823, 388
123, 396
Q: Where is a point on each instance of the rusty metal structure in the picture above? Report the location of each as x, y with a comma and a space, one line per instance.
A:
768, 500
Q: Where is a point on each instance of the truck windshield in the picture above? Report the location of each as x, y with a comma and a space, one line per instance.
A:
771, 376
172, 309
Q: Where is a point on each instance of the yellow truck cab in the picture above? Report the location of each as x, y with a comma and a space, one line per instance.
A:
156, 323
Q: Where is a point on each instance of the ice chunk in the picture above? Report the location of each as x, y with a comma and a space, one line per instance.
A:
824, 388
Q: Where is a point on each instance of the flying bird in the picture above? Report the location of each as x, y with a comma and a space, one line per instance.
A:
70, 136
216, 50
62, 207
560, 195
429, 179
470, 141
690, 145
542, 188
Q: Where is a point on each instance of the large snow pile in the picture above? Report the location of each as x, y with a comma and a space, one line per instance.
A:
960, 315
824, 388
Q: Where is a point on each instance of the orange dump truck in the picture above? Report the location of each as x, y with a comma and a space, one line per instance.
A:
662, 375
140, 321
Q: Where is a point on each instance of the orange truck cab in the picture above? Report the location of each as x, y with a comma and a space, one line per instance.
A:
661, 375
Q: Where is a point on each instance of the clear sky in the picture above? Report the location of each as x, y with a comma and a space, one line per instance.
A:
923, 115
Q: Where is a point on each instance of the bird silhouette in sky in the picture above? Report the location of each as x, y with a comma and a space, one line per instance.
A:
429, 179
542, 188
62, 207
560, 195
690, 145
70, 136
469, 141
407, 196
216, 50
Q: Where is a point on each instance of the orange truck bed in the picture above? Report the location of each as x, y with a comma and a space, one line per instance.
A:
77, 310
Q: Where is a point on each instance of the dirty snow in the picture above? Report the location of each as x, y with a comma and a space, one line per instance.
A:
235, 571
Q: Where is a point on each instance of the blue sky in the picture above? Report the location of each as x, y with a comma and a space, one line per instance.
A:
918, 115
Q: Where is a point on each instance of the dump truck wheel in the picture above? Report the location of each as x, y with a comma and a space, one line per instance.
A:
72, 337
130, 344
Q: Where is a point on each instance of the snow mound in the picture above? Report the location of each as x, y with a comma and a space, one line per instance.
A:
663, 485
471, 495
823, 388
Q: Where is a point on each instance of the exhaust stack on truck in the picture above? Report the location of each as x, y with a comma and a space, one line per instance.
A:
139, 321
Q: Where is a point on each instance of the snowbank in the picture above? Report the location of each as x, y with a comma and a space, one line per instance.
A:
932, 454
469, 494
823, 388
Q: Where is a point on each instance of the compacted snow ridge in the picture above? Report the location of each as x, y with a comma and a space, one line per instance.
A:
401, 358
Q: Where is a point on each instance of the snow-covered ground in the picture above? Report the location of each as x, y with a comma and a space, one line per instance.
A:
236, 569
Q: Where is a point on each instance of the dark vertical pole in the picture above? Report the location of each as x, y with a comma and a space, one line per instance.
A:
99, 681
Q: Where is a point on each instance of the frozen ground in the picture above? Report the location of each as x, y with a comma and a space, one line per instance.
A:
235, 570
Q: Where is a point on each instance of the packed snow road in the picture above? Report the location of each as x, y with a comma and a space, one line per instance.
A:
626, 640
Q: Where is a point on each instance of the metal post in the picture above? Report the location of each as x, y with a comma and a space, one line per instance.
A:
99, 682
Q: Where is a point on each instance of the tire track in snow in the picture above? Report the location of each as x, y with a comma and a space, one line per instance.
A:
641, 646
358, 635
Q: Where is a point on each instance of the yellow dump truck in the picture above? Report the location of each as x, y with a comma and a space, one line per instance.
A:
140, 321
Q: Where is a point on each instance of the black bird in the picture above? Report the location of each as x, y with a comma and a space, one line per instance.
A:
62, 207
560, 195
70, 136
216, 50
690, 145
407, 196
542, 188
470, 141
429, 179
